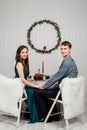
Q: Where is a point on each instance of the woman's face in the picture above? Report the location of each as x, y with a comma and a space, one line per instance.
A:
24, 53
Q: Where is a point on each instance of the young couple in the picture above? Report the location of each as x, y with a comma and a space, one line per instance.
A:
37, 95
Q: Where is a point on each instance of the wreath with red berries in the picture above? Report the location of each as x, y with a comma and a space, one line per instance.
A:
43, 51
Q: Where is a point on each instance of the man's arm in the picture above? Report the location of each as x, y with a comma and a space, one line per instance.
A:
61, 73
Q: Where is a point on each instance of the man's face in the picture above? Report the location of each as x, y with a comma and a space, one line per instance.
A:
65, 51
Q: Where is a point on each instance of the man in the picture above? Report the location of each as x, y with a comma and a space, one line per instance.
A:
68, 68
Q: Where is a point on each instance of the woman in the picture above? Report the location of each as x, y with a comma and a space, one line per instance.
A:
22, 71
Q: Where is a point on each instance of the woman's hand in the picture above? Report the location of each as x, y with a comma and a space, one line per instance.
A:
39, 86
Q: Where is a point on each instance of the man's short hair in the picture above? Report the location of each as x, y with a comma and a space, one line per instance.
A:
67, 43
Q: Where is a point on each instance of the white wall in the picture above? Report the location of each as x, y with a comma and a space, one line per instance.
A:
16, 16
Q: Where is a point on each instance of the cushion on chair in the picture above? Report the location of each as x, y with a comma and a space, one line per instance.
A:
10, 92
72, 96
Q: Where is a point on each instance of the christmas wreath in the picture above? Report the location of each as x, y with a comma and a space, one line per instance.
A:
55, 25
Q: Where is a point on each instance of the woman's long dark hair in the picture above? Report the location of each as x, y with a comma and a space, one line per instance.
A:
25, 63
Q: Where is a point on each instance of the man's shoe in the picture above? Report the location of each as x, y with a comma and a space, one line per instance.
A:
42, 119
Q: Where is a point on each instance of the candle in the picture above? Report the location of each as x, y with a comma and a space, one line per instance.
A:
42, 66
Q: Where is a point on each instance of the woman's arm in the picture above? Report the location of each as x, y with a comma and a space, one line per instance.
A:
19, 68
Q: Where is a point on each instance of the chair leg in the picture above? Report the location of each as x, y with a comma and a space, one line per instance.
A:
55, 100
67, 124
49, 112
19, 113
